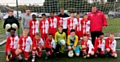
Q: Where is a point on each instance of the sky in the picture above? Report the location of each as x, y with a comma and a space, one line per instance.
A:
21, 2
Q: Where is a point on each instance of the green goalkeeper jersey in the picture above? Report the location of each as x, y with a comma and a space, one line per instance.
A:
59, 36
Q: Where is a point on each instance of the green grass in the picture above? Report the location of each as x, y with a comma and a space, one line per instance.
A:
113, 25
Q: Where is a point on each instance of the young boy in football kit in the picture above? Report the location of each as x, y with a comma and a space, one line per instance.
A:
111, 46
11, 45
44, 26
99, 45
24, 46
38, 45
50, 46
87, 47
72, 42
60, 39
34, 26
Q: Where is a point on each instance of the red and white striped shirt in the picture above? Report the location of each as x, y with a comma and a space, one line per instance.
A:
34, 26
111, 44
25, 43
44, 26
12, 43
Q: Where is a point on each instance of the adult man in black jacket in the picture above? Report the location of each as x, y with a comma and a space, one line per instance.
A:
63, 17
10, 20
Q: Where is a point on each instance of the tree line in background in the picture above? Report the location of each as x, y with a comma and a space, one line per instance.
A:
70, 5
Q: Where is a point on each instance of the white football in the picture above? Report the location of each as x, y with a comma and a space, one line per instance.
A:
70, 54
62, 42
14, 25
8, 26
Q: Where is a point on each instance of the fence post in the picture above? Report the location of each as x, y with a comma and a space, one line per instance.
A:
17, 17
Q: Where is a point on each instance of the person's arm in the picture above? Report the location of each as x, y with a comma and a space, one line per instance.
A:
114, 47
104, 20
47, 44
22, 22
56, 37
68, 41
107, 43
5, 22
17, 22
65, 37
53, 44
96, 44
31, 44
90, 46
76, 41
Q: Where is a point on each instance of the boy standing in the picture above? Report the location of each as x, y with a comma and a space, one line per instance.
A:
71, 23
34, 26
44, 26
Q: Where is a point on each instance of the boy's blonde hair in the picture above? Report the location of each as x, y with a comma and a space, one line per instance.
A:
111, 33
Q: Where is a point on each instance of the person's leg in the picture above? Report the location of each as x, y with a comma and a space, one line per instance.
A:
26, 55
77, 51
57, 50
93, 36
97, 33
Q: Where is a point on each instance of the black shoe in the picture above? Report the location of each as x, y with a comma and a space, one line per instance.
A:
20, 60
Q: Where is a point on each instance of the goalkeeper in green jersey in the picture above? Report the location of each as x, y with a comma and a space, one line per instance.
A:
60, 39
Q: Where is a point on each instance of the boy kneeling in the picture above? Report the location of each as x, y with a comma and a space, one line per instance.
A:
87, 47
111, 46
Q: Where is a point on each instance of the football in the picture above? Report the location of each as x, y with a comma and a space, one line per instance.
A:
8, 26
70, 54
14, 25
62, 42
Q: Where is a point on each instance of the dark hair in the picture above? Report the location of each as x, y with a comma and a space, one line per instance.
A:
78, 13
93, 6
10, 11
71, 12
85, 14
52, 12
84, 35
72, 30
61, 26
49, 34
33, 15
43, 14
101, 33
12, 29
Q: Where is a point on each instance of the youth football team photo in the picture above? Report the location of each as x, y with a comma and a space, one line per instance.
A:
72, 35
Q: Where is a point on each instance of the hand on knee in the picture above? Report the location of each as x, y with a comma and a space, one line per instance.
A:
77, 54
18, 51
107, 49
92, 53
